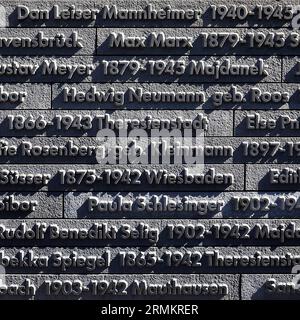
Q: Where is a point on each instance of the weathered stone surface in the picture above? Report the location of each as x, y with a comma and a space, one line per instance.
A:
31, 41
182, 205
195, 69
87, 150
96, 69
91, 150
175, 96
267, 123
217, 123
53, 177
161, 260
150, 232
25, 96
218, 286
79, 223
290, 69
245, 13
270, 286
41, 205
259, 177
120, 41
